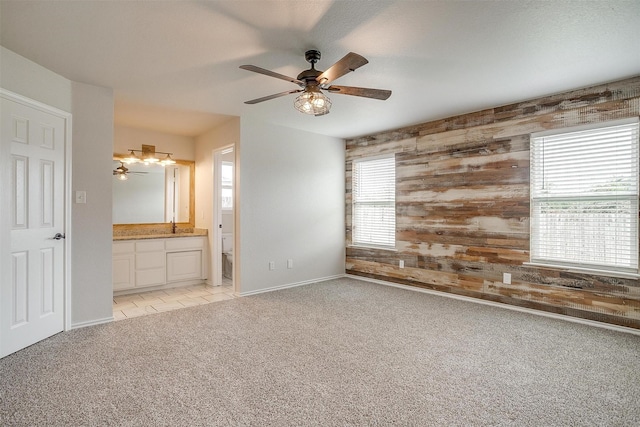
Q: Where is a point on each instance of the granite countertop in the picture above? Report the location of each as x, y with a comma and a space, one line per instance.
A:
154, 235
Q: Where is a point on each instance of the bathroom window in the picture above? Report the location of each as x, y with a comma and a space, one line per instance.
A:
584, 197
374, 202
227, 186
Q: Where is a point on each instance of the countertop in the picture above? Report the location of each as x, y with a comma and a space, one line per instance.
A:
196, 233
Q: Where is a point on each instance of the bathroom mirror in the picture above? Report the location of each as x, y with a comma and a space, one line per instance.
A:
154, 195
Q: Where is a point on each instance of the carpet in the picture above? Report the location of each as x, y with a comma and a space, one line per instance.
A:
341, 352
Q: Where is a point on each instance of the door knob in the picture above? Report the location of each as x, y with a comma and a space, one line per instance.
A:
58, 236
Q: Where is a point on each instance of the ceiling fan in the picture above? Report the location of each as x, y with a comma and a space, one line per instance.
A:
122, 172
312, 82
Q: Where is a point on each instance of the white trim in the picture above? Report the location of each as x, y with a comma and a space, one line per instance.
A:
290, 285
170, 285
382, 248
92, 322
572, 319
216, 245
571, 269
67, 225
67, 117
589, 126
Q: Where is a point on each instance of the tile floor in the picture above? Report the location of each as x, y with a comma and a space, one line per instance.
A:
144, 303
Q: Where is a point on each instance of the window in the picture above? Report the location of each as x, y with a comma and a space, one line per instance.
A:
584, 197
227, 186
374, 202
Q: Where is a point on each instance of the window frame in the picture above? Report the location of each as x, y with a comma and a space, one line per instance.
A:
381, 202
577, 264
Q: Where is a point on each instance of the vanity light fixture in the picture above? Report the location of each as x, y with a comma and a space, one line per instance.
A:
167, 161
148, 155
132, 158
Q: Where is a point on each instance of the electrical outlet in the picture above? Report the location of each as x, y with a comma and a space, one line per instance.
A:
506, 278
401, 263
289, 263
272, 265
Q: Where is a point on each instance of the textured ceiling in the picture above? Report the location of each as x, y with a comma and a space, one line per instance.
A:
173, 65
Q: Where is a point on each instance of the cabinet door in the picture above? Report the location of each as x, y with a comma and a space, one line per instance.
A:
123, 272
150, 268
184, 266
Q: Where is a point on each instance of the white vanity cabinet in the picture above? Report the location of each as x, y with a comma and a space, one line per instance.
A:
146, 263
184, 259
124, 269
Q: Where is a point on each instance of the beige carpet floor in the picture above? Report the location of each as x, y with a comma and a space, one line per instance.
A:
336, 353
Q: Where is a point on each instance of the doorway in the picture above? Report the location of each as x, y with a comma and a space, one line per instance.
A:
223, 255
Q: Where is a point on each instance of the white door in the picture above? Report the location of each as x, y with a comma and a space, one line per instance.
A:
32, 265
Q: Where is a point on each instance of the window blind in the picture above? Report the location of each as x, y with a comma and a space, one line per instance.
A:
584, 197
374, 210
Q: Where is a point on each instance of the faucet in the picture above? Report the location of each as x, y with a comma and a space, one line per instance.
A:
173, 227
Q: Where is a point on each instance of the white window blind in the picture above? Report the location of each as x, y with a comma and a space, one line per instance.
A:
584, 197
374, 207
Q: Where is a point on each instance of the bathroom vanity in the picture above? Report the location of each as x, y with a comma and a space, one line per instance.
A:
145, 262
155, 244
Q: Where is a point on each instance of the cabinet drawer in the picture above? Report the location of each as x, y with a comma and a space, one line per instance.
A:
123, 248
182, 243
150, 245
147, 260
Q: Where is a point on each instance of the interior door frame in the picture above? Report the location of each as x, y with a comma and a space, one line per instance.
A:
5, 228
216, 255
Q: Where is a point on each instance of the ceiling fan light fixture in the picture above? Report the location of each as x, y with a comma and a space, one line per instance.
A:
121, 172
312, 101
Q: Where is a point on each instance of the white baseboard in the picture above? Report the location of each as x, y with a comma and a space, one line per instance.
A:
159, 287
92, 322
290, 285
501, 305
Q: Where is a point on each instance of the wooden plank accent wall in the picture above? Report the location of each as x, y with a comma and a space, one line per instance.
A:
462, 207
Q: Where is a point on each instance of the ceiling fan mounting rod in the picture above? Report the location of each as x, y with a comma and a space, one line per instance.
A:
312, 56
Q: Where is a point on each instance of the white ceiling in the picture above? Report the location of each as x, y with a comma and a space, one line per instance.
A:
173, 65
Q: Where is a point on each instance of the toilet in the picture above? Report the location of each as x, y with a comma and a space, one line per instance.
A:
227, 255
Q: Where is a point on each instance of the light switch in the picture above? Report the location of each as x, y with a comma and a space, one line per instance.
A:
506, 278
81, 197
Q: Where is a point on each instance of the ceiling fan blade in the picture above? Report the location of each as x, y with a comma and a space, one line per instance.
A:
277, 95
272, 74
350, 62
360, 91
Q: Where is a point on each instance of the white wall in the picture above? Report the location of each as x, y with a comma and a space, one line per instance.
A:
226, 134
92, 143
92, 231
291, 206
29, 79
182, 147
